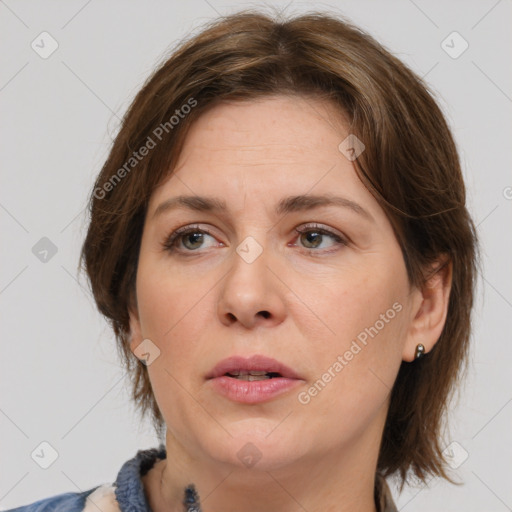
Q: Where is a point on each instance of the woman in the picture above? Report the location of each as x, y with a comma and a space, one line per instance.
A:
280, 240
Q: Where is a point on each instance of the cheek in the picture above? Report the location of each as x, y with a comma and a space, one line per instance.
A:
174, 310
361, 299
354, 372
364, 311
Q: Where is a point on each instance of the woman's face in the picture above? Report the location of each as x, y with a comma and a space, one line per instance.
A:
300, 265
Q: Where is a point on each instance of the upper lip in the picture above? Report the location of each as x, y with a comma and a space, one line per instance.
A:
253, 363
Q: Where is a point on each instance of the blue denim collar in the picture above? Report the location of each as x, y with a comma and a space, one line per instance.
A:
128, 486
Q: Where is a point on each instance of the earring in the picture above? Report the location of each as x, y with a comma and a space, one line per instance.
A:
420, 351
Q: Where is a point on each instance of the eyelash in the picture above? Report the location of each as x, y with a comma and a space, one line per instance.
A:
171, 241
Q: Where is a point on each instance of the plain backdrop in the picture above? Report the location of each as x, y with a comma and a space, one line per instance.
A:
61, 380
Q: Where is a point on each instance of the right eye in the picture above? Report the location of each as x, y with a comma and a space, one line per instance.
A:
188, 239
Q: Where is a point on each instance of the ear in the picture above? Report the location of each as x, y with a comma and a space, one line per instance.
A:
430, 309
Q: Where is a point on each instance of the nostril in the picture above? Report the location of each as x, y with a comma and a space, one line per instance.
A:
264, 314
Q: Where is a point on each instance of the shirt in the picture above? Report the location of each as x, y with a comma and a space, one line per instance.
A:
127, 494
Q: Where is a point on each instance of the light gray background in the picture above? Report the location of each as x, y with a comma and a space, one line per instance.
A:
60, 376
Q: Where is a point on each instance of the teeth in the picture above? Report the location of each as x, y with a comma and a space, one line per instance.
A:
257, 373
251, 378
252, 375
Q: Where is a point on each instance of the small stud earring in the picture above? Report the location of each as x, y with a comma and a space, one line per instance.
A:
420, 351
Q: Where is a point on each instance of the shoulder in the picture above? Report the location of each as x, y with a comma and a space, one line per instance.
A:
127, 493
101, 498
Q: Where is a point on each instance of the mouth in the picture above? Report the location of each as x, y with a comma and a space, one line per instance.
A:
256, 367
252, 380
252, 375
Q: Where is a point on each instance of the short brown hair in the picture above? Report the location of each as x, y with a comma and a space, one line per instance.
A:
410, 165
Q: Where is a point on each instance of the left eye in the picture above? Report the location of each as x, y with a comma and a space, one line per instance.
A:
315, 238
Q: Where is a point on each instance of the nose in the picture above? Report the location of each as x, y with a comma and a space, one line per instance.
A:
251, 294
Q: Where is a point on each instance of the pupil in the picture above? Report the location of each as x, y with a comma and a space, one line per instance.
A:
312, 238
196, 240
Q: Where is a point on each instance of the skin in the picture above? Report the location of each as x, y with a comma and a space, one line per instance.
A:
302, 301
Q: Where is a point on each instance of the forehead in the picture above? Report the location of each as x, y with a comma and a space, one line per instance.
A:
280, 128
264, 149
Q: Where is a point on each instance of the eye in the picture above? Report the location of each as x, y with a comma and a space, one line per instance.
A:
189, 239
314, 237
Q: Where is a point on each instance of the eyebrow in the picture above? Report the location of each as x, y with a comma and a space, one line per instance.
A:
285, 205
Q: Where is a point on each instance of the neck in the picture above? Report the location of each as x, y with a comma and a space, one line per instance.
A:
338, 480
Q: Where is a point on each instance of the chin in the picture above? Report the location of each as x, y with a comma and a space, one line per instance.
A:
257, 447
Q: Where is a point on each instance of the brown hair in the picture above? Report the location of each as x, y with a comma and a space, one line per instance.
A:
410, 165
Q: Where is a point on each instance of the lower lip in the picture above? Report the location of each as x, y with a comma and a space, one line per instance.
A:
252, 392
